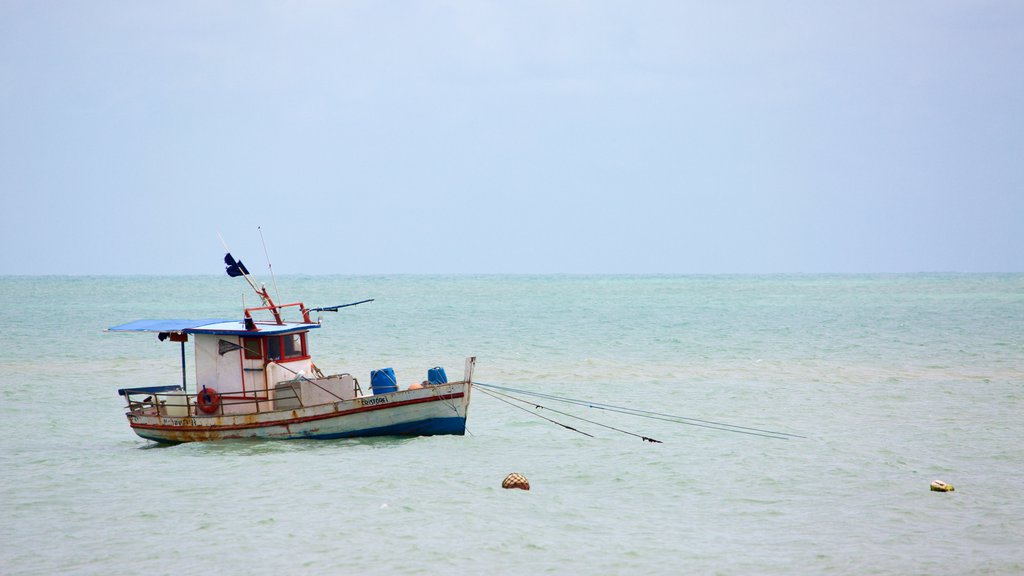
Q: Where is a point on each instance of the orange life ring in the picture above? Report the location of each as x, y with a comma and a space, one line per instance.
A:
208, 400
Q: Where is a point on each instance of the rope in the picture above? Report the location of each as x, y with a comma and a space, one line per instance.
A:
539, 407
566, 426
451, 404
723, 426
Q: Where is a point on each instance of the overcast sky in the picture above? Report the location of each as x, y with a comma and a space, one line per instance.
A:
522, 137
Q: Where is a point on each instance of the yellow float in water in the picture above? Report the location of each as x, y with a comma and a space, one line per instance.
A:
940, 486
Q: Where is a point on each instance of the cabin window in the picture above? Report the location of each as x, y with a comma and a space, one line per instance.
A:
292, 345
286, 347
253, 349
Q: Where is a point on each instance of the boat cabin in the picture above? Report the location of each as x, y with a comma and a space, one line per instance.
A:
251, 365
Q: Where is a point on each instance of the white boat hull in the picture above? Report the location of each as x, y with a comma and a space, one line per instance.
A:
431, 410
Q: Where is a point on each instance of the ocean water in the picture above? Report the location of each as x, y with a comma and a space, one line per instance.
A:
891, 381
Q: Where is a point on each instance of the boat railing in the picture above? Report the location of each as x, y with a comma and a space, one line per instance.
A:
173, 401
158, 400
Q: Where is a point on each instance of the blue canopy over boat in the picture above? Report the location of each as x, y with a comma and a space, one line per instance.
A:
212, 326
173, 325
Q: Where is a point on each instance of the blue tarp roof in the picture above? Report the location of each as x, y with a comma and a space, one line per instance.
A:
211, 326
176, 325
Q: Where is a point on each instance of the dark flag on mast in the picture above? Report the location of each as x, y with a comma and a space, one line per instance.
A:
235, 268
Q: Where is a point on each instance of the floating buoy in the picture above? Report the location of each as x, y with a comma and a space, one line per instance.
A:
415, 386
940, 486
516, 480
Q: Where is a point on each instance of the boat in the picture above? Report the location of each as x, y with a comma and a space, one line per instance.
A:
255, 378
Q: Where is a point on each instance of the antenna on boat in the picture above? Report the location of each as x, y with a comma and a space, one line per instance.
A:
269, 266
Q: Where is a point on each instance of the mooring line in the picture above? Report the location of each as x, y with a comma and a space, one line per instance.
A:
566, 426
726, 427
535, 405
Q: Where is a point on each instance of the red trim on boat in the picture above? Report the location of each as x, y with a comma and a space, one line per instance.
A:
289, 421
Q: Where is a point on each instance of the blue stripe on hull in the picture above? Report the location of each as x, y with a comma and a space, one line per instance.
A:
432, 427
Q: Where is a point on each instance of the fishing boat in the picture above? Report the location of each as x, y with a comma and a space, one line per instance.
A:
255, 378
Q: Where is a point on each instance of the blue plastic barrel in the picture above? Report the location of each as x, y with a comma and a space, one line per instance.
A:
383, 381
436, 375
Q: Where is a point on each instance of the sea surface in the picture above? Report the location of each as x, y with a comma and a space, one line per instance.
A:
888, 382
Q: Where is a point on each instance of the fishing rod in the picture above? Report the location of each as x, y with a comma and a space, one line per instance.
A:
723, 426
270, 267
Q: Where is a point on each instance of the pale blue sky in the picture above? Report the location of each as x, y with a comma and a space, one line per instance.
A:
590, 136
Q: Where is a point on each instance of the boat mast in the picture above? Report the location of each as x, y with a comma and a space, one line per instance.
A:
268, 304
